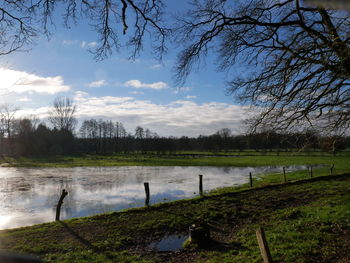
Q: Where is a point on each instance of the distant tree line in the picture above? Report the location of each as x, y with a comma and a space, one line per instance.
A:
30, 137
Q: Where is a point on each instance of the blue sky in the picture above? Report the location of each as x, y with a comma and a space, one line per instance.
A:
140, 92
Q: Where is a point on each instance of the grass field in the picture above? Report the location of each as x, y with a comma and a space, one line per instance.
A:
305, 220
244, 159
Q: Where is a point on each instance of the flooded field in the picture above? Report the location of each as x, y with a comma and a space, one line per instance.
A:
29, 195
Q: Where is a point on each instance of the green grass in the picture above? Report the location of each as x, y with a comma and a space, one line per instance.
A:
250, 158
304, 222
297, 234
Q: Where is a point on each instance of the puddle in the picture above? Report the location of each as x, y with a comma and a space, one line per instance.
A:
169, 243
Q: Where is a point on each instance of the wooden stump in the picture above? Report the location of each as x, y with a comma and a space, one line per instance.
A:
199, 234
60, 202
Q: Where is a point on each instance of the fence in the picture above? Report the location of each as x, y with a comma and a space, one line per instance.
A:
200, 187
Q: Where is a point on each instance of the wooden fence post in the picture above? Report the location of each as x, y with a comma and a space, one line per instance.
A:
200, 184
251, 179
60, 202
147, 193
310, 171
264, 248
284, 174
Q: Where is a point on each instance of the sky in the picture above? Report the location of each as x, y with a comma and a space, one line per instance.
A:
140, 92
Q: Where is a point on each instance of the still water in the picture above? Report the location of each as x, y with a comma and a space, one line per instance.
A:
29, 195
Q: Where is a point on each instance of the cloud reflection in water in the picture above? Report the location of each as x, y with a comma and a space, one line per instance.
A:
29, 195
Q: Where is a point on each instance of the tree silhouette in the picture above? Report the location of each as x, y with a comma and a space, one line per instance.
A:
7, 117
22, 21
62, 114
296, 58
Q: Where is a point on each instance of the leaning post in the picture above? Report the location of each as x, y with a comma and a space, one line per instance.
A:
60, 202
147, 193
264, 248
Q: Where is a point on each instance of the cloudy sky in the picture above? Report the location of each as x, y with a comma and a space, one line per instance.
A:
140, 92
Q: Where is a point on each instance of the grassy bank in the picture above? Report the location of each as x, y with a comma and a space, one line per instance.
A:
341, 162
184, 159
307, 221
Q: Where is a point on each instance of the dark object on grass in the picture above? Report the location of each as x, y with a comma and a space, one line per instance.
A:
199, 234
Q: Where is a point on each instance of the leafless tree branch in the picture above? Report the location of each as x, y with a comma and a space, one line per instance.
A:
62, 114
22, 21
296, 57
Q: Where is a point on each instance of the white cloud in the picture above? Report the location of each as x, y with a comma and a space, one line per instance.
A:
182, 90
81, 94
136, 92
82, 98
136, 84
97, 84
13, 81
68, 42
42, 112
85, 44
24, 99
178, 118
156, 66
190, 97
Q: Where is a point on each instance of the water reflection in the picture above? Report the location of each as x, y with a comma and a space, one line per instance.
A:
169, 243
29, 195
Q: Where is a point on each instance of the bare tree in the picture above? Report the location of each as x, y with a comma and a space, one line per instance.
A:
7, 117
224, 133
296, 58
22, 21
120, 131
139, 132
62, 114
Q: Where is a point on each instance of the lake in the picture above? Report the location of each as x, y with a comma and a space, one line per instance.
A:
29, 195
